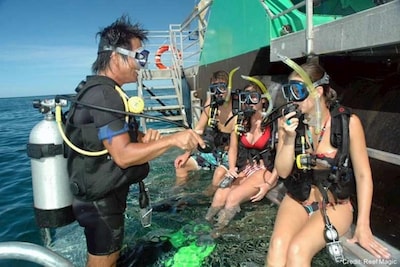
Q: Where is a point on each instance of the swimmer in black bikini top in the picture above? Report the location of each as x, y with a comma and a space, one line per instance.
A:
220, 134
297, 236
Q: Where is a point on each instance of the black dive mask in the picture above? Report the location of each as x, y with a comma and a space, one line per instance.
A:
250, 97
217, 88
217, 91
298, 91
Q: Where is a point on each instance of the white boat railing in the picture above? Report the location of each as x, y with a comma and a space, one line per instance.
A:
33, 253
309, 25
186, 38
176, 55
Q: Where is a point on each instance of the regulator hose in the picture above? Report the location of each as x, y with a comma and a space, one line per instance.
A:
129, 105
69, 143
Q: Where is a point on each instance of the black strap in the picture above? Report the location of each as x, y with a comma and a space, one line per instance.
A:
340, 137
37, 151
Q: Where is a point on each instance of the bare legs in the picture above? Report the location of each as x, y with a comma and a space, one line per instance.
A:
226, 201
182, 173
297, 237
219, 174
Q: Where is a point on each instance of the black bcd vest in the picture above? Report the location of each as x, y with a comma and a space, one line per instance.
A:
340, 178
93, 177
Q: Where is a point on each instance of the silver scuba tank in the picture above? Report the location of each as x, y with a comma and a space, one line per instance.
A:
50, 182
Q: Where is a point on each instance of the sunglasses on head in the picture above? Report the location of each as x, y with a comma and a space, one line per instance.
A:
140, 55
298, 91
249, 98
217, 88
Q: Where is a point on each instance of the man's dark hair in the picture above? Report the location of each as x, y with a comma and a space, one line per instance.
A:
118, 34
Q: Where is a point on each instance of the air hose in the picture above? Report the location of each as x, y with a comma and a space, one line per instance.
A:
310, 88
133, 107
69, 143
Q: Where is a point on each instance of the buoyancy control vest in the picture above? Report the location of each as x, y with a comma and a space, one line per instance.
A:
93, 177
216, 141
339, 179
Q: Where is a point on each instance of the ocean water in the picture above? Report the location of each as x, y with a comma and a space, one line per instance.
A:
179, 210
17, 117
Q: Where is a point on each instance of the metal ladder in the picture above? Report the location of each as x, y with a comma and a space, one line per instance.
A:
157, 100
183, 105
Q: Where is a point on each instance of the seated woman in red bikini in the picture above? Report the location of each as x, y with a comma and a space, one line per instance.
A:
250, 161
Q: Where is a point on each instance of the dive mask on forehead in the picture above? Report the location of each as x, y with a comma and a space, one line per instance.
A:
217, 88
297, 90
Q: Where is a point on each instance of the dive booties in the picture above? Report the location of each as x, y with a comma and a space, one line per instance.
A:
143, 253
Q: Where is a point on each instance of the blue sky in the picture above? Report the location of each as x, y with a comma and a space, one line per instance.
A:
48, 46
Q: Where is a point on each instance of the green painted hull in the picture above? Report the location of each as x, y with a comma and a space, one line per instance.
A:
234, 29
243, 26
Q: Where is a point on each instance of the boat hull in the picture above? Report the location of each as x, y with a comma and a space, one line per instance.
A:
368, 86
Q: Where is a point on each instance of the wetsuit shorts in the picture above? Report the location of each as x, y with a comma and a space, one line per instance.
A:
103, 221
209, 161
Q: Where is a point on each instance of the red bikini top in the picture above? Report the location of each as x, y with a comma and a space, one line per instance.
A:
261, 142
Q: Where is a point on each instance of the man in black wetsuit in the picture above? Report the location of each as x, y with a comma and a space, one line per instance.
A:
100, 183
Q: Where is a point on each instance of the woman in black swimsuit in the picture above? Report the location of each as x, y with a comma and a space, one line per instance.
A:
299, 227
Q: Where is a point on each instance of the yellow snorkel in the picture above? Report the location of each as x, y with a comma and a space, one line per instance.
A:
134, 104
310, 88
228, 97
266, 94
